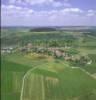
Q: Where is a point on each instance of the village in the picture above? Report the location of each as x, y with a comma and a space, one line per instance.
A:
64, 53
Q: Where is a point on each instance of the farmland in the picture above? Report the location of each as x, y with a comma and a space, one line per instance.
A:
52, 64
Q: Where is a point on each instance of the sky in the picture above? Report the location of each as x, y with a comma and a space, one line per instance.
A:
48, 12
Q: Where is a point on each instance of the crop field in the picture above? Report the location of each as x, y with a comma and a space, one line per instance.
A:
12, 72
31, 74
58, 84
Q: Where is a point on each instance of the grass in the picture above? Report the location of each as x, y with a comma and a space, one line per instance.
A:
11, 79
58, 85
25, 59
13, 69
59, 79
87, 51
12, 66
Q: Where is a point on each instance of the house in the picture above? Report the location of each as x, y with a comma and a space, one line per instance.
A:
58, 53
29, 45
89, 62
6, 50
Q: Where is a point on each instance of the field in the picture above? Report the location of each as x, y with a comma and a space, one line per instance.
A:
36, 75
58, 83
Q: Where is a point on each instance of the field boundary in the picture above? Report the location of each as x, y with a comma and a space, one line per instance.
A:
84, 71
28, 72
23, 80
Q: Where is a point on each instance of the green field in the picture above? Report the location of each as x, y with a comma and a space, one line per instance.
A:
66, 84
59, 79
13, 69
39, 76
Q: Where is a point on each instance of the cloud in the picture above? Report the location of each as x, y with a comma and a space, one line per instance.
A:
91, 13
53, 3
3, 7
32, 2
8, 8
72, 10
60, 4
17, 15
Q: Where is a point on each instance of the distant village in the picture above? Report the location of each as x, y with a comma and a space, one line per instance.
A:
51, 51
